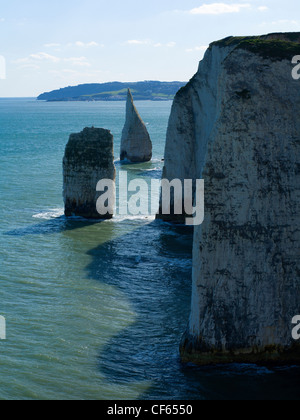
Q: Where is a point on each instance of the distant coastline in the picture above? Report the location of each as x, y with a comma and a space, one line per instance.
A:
114, 91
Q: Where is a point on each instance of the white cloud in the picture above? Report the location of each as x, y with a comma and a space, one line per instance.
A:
78, 61
78, 44
33, 59
263, 8
52, 45
30, 66
138, 42
44, 56
70, 71
41, 56
286, 22
67, 75
171, 44
87, 44
202, 49
150, 43
219, 8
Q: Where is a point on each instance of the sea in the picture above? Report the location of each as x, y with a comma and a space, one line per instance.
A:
96, 310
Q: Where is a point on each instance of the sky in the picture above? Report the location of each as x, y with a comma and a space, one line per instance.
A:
46, 45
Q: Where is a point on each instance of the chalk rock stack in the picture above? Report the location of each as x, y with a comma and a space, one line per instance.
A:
237, 126
136, 145
89, 158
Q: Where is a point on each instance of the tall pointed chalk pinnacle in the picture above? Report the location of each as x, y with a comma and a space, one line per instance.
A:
136, 145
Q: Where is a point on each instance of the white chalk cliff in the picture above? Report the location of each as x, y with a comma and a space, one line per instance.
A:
237, 125
136, 145
89, 158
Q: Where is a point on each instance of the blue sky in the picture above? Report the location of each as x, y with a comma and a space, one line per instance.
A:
51, 44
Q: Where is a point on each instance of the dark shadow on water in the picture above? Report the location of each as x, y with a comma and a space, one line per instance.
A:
50, 227
152, 267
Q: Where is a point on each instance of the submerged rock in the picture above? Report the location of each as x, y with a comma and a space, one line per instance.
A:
136, 145
89, 158
237, 126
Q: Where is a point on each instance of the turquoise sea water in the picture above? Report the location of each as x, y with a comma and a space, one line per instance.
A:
97, 310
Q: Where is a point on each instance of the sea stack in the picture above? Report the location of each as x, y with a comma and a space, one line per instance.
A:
236, 125
89, 158
136, 145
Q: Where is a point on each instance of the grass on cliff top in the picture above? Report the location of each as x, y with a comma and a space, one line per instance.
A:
123, 93
267, 48
116, 92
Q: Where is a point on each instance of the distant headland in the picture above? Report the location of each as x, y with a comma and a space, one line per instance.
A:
115, 91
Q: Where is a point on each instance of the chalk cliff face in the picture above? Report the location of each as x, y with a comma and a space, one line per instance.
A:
89, 158
237, 125
136, 145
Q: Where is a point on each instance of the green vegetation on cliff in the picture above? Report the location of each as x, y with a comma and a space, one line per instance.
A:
115, 91
273, 46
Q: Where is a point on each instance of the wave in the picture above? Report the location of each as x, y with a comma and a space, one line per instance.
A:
119, 218
148, 170
59, 214
49, 214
